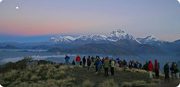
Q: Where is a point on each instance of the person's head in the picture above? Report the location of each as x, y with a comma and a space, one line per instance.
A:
106, 58
175, 64
155, 60
150, 61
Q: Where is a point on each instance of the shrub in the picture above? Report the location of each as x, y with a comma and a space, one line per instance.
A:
109, 83
34, 78
126, 84
51, 83
67, 82
11, 76
139, 84
87, 83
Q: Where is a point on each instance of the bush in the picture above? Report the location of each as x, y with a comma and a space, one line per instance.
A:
126, 84
25, 76
139, 84
51, 83
34, 78
11, 76
67, 82
87, 83
109, 83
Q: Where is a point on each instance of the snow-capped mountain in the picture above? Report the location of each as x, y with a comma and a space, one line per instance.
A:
93, 37
63, 39
149, 40
114, 36
120, 35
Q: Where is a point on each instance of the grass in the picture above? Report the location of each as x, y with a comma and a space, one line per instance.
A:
52, 75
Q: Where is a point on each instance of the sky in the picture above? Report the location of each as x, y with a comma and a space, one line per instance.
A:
160, 18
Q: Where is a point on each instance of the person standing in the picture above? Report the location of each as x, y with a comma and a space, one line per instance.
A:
173, 70
156, 69
78, 60
73, 62
100, 65
176, 71
106, 66
84, 61
67, 59
112, 64
96, 65
88, 62
150, 69
166, 71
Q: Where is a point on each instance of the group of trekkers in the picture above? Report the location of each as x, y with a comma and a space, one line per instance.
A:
109, 64
172, 69
168, 70
94, 62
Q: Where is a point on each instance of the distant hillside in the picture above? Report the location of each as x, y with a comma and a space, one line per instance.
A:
8, 47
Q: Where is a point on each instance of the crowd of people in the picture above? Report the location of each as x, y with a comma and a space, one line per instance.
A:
172, 69
109, 64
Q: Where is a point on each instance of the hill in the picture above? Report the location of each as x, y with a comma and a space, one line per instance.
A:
48, 74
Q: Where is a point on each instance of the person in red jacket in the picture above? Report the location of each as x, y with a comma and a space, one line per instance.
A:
78, 60
150, 69
156, 69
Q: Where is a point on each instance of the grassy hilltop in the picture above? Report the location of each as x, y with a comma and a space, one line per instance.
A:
48, 74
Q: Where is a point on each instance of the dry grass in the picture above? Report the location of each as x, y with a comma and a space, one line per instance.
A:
87, 83
109, 83
69, 76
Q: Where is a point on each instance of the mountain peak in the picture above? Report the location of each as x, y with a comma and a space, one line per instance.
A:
151, 37
113, 36
118, 31
120, 35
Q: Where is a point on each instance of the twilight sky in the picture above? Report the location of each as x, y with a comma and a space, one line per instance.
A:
140, 18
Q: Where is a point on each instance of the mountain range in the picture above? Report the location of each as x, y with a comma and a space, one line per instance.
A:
116, 42
114, 36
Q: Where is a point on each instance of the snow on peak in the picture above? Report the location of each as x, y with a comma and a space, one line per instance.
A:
120, 35
97, 37
113, 36
151, 38
148, 39
62, 38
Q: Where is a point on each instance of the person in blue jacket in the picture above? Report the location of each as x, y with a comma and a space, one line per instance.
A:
67, 59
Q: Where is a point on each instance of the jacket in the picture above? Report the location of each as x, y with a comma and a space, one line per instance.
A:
150, 66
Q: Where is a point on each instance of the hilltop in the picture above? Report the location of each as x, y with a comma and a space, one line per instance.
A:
48, 74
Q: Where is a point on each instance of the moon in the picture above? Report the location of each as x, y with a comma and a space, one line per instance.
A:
178, 1
17, 7
1, 1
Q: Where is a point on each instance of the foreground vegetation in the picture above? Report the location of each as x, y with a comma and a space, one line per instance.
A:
48, 74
